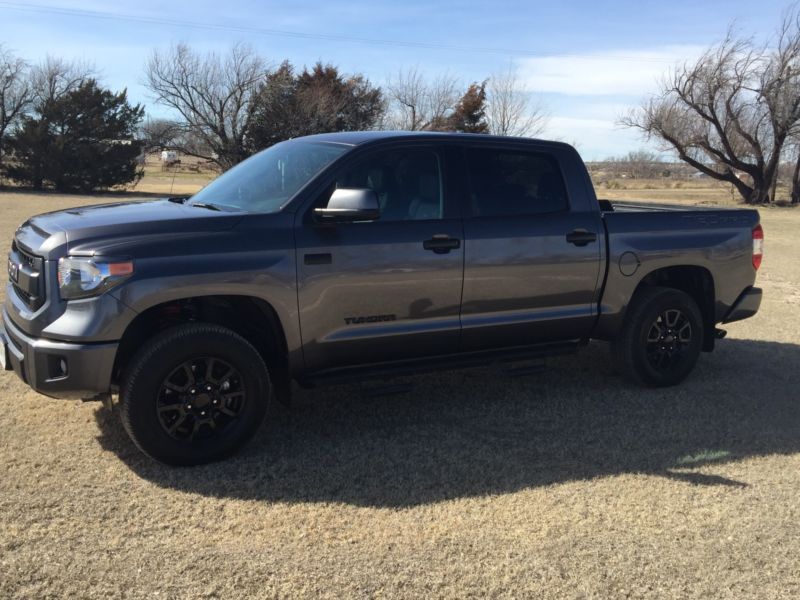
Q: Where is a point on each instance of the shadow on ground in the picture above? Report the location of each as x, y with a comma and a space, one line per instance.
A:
485, 431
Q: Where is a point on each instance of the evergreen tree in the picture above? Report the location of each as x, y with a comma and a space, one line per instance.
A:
469, 115
319, 100
81, 141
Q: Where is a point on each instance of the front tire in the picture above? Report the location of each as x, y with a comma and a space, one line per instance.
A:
661, 338
193, 394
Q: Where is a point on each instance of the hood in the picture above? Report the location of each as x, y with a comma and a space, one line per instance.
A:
104, 228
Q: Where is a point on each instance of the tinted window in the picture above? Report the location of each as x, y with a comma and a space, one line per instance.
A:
408, 183
511, 182
267, 180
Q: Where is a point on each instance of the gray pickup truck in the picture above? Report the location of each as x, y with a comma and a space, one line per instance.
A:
355, 255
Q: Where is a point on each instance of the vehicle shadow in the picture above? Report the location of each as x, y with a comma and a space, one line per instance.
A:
488, 431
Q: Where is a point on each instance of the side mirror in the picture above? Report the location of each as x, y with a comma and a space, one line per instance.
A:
348, 205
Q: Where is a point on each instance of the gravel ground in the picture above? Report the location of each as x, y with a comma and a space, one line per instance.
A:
568, 482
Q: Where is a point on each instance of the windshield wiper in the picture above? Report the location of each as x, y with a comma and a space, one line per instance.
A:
205, 205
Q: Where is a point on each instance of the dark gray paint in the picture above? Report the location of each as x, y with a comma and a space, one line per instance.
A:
719, 241
510, 282
378, 268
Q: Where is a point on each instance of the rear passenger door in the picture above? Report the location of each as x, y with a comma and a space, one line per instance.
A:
532, 261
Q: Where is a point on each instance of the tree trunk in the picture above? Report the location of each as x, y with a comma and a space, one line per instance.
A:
38, 177
774, 190
760, 192
759, 195
745, 191
796, 183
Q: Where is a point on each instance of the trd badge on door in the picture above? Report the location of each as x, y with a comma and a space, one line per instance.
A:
370, 319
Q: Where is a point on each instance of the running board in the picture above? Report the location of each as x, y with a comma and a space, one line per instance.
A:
414, 366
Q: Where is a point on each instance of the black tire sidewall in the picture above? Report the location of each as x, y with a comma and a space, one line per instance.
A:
154, 362
658, 301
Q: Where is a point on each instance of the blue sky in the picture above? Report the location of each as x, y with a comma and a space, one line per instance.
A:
588, 62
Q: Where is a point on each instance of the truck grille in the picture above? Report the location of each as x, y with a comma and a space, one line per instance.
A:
26, 273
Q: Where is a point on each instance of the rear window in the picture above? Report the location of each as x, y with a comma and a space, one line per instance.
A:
514, 182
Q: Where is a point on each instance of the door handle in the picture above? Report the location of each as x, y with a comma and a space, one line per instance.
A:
323, 258
581, 237
441, 244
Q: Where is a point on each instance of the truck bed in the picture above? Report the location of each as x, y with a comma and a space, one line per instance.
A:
647, 206
642, 237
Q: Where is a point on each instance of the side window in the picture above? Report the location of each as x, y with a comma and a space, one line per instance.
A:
408, 183
513, 182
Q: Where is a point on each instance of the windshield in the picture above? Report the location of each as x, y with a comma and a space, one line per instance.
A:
266, 181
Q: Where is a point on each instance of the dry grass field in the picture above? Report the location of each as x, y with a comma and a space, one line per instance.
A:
185, 178
569, 482
700, 192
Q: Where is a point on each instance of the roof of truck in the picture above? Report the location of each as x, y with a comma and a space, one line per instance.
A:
356, 138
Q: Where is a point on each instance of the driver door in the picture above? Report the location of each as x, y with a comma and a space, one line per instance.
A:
386, 289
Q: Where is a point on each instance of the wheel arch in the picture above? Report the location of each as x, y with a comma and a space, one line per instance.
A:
253, 318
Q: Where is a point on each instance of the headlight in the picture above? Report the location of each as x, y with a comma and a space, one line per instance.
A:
81, 277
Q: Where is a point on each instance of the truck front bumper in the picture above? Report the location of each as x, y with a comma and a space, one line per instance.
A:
746, 305
57, 369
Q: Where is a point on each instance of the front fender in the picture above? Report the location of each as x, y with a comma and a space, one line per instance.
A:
267, 275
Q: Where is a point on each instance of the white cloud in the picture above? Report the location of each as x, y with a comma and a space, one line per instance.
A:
566, 126
594, 138
588, 93
615, 72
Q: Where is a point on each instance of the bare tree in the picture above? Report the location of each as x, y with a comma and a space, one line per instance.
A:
511, 108
407, 96
729, 114
213, 96
442, 99
416, 104
158, 134
639, 164
55, 77
791, 168
15, 92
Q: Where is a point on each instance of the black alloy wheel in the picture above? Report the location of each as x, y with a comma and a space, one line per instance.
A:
669, 337
661, 338
200, 399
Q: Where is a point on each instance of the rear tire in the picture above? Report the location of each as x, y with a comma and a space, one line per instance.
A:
661, 338
193, 394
